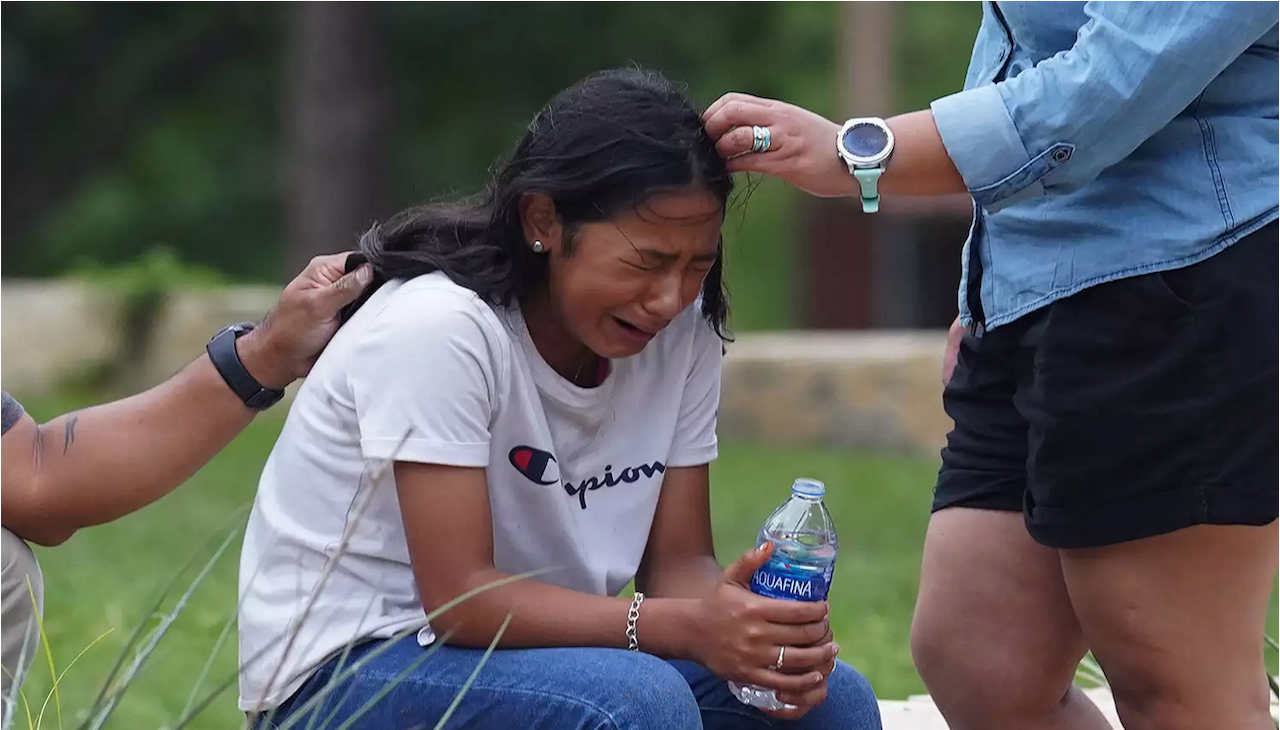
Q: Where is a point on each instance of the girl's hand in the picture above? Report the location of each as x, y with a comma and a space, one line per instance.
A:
741, 633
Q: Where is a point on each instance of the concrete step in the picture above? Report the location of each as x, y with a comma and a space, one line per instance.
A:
919, 713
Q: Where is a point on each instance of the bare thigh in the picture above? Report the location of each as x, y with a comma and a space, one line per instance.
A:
1177, 623
994, 635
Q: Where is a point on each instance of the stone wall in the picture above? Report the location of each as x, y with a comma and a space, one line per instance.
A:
867, 390
53, 331
873, 390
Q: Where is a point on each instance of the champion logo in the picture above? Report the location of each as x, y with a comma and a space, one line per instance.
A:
541, 467
538, 466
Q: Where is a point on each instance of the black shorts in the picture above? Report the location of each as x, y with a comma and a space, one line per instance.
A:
1131, 409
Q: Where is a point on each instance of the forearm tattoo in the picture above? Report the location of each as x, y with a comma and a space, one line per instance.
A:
70, 437
37, 448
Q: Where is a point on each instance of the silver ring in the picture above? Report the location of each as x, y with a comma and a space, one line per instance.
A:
782, 650
761, 137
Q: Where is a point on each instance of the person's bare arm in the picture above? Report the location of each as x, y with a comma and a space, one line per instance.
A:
680, 562
680, 559
730, 630
1057, 125
803, 152
101, 463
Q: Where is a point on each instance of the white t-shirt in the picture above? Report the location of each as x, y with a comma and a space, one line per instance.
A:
427, 372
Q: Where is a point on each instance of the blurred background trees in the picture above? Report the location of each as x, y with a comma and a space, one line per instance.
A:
245, 138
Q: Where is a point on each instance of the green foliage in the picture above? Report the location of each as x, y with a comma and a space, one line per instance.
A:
934, 41
143, 287
149, 277
130, 126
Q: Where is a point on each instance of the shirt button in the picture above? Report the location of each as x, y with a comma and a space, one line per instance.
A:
1061, 155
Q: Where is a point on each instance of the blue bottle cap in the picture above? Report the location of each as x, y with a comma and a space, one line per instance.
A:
809, 487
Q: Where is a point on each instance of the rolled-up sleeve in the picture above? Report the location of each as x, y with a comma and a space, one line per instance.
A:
1059, 124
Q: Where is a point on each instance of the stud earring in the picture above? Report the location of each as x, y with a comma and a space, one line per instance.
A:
538, 247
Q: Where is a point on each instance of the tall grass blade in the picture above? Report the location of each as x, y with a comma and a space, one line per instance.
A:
109, 683
187, 718
16, 697
208, 664
466, 686
386, 690
342, 665
48, 655
375, 479
58, 680
313, 702
19, 697
140, 659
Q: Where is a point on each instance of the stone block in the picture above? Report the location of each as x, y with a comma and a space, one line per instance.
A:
190, 318
860, 390
52, 331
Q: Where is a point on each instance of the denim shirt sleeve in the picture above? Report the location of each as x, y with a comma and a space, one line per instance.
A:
1134, 66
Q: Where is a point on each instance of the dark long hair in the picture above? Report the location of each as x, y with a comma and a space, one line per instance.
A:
602, 146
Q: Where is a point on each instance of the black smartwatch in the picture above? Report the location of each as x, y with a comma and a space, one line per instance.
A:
222, 352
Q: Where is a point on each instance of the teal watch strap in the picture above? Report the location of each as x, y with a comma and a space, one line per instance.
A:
868, 180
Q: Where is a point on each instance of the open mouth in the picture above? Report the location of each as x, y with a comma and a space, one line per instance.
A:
628, 327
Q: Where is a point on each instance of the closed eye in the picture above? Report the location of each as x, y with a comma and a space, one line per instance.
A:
697, 266
643, 267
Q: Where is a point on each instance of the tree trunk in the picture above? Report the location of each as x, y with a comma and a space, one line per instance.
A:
866, 57
843, 261
337, 113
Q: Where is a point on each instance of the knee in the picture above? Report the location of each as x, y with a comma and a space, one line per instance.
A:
851, 702
989, 685
1172, 698
21, 598
20, 573
944, 659
650, 694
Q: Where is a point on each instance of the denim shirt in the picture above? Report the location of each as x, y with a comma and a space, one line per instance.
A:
1101, 140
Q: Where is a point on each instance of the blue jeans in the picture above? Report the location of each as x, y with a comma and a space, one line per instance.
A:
548, 689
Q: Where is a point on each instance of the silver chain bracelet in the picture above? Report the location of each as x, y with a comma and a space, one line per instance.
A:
633, 615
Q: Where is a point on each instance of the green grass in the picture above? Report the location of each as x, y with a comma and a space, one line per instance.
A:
106, 579
880, 507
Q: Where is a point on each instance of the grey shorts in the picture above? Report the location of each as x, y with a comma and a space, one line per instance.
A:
21, 597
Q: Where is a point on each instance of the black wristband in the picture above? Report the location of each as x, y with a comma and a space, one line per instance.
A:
223, 355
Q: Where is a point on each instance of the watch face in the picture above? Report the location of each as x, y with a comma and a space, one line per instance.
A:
864, 140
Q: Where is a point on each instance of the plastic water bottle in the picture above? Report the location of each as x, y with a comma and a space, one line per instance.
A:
800, 568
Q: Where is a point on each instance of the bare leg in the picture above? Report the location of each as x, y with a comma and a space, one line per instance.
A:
994, 636
1176, 621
